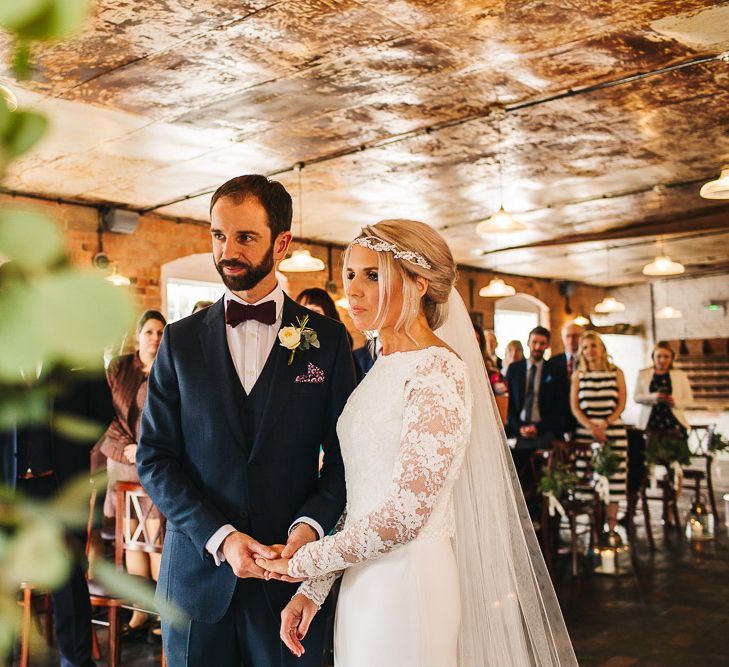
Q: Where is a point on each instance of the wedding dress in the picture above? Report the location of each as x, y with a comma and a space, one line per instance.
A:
441, 566
403, 435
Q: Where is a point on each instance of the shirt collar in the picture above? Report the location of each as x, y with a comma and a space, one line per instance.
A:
276, 295
531, 363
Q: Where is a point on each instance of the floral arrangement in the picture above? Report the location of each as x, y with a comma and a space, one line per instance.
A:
298, 337
667, 448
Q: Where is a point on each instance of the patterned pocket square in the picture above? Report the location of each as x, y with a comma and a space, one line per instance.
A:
313, 374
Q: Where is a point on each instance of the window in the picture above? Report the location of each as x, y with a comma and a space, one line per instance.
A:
182, 295
513, 325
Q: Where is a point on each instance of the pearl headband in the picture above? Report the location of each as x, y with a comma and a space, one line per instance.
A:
378, 245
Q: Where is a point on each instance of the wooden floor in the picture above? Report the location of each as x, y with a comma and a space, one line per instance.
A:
673, 613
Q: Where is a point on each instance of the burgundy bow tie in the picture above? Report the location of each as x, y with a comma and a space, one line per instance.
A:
235, 313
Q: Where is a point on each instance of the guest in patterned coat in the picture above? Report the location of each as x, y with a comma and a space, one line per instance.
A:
598, 400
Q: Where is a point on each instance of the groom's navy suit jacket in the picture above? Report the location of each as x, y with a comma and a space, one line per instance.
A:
201, 470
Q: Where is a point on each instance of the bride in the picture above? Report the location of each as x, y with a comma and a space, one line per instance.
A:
439, 559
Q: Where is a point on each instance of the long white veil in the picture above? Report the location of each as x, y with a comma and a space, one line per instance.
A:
510, 616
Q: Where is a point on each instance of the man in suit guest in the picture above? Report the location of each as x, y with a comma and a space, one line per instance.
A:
567, 361
536, 396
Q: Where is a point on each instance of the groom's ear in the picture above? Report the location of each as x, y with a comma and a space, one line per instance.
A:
281, 245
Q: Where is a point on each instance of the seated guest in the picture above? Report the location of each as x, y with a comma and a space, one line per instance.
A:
568, 359
536, 396
514, 352
663, 391
491, 345
127, 376
496, 379
598, 400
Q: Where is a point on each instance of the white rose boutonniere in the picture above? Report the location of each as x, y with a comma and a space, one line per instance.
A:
298, 337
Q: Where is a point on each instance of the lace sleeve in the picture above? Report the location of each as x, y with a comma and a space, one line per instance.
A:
435, 423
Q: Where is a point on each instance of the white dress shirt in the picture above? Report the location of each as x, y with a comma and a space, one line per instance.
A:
250, 344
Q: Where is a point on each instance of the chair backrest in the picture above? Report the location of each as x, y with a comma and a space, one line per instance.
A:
133, 530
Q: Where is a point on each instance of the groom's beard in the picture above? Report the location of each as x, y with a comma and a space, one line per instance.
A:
251, 276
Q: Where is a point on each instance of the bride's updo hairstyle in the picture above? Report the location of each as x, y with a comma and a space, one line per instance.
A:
416, 240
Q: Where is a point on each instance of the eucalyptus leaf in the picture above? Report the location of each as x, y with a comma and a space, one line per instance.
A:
78, 428
30, 238
15, 14
38, 554
23, 342
22, 132
23, 406
83, 314
136, 590
10, 621
21, 62
71, 505
58, 18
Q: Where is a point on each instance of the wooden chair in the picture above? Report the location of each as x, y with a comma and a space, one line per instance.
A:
584, 504
637, 483
699, 470
131, 533
34, 603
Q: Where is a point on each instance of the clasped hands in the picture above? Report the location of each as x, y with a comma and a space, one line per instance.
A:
248, 558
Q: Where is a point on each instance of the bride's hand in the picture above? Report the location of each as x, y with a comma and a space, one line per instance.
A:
295, 620
278, 566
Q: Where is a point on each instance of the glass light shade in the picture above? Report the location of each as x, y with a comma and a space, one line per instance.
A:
497, 287
500, 222
11, 101
718, 189
581, 320
117, 279
663, 265
342, 303
610, 305
300, 262
668, 313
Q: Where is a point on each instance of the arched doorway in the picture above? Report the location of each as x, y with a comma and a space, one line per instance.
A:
187, 280
515, 316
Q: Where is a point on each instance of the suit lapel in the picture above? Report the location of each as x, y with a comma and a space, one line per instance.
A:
224, 379
281, 381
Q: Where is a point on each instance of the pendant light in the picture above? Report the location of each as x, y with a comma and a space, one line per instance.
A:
502, 221
301, 261
668, 312
718, 189
581, 321
609, 304
663, 265
497, 288
117, 279
11, 101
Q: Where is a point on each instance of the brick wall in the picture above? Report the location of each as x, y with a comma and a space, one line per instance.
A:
157, 241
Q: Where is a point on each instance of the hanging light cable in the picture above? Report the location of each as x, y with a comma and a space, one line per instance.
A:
609, 304
497, 287
301, 261
668, 312
500, 222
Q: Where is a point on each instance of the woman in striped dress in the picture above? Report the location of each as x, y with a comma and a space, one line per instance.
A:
598, 399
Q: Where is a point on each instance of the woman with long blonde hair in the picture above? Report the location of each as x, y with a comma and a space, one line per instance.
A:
597, 399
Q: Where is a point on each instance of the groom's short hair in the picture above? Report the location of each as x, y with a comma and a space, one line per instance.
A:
270, 194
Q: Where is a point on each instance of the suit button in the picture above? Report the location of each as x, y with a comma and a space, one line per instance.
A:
244, 514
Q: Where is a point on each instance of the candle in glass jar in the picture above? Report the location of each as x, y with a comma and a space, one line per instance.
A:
697, 530
608, 561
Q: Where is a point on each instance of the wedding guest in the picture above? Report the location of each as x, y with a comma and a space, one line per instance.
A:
514, 352
496, 379
199, 305
663, 391
535, 386
568, 359
598, 400
491, 345
127, 376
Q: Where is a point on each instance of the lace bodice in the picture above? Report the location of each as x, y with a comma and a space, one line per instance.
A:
403, 435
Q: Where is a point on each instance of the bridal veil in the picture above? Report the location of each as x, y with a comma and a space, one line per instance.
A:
510, 616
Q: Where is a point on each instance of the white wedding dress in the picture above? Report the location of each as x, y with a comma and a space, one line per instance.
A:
403, 435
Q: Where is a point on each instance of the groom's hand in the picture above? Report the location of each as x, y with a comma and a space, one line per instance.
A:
241, 550
298, 537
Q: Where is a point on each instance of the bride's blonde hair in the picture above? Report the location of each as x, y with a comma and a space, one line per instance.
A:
423, 240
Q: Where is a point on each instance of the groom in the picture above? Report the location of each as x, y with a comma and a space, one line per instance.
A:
230, 438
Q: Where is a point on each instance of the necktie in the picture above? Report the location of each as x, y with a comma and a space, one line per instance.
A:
235, 313
529, 403
570, 364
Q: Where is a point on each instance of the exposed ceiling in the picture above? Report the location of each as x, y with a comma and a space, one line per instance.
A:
611, 113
